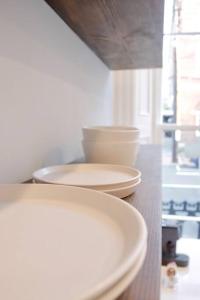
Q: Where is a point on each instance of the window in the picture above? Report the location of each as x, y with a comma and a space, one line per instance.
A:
181, 115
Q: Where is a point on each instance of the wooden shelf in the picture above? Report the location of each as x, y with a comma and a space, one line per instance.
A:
123, 34
147, 200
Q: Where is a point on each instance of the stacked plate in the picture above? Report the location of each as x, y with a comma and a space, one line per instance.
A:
116, 180
111, 144
61, 242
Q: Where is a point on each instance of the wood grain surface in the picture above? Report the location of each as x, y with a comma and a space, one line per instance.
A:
124, 34
147, 200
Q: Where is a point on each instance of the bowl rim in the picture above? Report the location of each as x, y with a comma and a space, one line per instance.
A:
102, 142
111, 128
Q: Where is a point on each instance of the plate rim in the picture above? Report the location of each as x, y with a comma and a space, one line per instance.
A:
123, 188
128, 262
126, 279
38, 176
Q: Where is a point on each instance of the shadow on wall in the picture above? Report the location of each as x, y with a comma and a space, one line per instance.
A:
51, 84
29, 36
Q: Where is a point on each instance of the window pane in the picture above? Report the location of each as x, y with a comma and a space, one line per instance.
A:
181, 16
189, 15
188, 79
181, 80
181, 180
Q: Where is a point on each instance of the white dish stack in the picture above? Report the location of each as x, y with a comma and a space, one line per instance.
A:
72, 243
111, 144
116, 180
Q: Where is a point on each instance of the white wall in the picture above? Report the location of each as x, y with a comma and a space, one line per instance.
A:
51, 84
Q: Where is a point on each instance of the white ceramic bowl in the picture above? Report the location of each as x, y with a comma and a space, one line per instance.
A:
110, 133
123, 153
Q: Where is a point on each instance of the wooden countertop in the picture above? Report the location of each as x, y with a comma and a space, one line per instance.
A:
147, 200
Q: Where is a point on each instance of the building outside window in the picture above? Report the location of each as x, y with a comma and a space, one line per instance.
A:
181, 115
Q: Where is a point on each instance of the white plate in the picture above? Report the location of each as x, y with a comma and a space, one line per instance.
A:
61, 242
125, 281
123, 191
97, 176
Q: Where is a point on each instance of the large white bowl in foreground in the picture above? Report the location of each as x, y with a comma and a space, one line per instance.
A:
110, 133
123, 153
61, 242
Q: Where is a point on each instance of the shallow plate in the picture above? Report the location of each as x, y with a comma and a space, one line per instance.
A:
97, 176
125, 281
123, 192
61, 242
